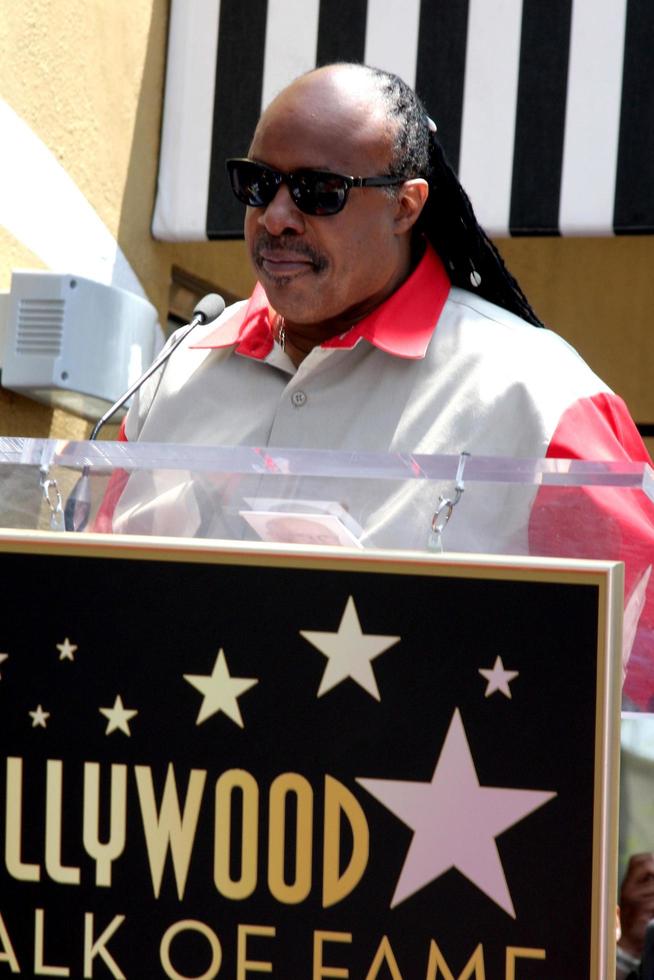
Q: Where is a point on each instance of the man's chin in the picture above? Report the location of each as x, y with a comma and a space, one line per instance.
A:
278, 281
295, 312
293, 296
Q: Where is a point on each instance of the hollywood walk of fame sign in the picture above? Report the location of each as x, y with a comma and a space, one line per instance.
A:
228, 763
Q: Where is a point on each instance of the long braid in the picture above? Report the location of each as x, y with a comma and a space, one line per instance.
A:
448, 219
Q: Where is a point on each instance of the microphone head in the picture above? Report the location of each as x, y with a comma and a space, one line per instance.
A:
209, 308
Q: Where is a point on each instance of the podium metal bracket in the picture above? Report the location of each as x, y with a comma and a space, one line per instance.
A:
52, 497
446, 505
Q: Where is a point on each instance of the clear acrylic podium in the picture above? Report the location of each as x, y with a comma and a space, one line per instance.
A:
414, 553
427, 504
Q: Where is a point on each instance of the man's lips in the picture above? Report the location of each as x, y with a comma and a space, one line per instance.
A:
276, 262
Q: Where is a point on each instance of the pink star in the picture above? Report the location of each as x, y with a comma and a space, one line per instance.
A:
498, 678
455, 821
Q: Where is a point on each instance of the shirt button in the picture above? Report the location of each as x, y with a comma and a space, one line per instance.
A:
299, 398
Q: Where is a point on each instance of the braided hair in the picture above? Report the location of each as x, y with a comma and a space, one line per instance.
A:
447, 219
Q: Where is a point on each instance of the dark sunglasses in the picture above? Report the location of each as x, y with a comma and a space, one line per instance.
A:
317, 192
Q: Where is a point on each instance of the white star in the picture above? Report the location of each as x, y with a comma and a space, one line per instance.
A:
66, 650
3, 657
118, 717
221, 692
349, 652
39, 717
498, 678
455, 821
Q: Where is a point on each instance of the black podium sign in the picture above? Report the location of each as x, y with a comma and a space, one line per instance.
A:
233, 763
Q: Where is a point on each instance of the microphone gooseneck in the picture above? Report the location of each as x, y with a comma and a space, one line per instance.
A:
208, 309
78, 505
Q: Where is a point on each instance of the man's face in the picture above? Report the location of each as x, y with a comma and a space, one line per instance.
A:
317, 268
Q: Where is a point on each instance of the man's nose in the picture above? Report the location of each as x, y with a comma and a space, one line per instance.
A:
282, 214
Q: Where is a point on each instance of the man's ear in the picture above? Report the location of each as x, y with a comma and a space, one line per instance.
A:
411, 198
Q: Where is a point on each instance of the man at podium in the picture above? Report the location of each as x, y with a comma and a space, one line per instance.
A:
384, 320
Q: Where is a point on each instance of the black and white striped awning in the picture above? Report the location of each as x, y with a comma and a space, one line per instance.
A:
545, 107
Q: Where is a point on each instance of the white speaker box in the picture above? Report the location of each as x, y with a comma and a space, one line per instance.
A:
75, 343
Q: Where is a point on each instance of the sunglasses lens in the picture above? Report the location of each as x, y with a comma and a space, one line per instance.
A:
313, 191
319, 193
252, 184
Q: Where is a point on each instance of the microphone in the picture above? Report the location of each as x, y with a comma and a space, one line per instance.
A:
78, 505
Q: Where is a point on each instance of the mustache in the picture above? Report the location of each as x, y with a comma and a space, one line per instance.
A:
287, 243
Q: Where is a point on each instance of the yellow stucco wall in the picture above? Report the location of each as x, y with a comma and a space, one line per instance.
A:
599, 294
87, 76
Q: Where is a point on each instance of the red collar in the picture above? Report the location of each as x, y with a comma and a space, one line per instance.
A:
403, 325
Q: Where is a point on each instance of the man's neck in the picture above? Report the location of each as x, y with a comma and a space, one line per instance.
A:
299, 339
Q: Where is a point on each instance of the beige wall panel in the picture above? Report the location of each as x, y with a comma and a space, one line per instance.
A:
223, 263
21, 416
599, 294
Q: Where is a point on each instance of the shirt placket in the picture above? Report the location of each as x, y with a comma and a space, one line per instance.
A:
296, 417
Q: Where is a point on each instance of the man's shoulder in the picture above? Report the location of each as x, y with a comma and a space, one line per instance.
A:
479, 308
503, 351
484, 325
